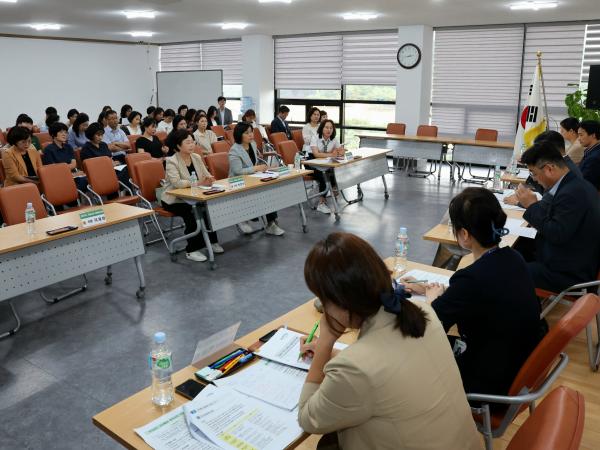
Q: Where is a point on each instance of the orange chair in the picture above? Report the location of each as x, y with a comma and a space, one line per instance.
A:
396, 128
218, 165
538, 373
103, 181
132, 138
218, 130
77, 152
229, 137
557, 423
14, 199
258, 139
2, 138
298, 138
288, 150
220, 147
131, 160
427, 130
2, 174
59, 188
161, 136
484, 134
43, 137
276, 139
45, 144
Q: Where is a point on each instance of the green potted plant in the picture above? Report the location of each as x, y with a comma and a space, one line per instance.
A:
575, 102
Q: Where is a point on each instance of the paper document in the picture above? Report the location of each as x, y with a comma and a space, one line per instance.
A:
424, 275
284, 348
523, 173
120, 167
271, 382
501, 197
235, 421
265, 175
170, 432
214, 186
516, 229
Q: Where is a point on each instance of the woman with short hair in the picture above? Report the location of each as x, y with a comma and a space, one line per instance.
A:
21, 160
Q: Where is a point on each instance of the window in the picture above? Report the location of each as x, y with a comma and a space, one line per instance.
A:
370, 92
232, 90
351, 140
591, 55
368, 115
311, 94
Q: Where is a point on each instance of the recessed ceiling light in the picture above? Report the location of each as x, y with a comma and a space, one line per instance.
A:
233, 26
360, 16
140, 14
141, 33
45, 26
274, 1
534, 5
8, 1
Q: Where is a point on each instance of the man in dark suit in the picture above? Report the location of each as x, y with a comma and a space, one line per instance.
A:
589, 137
279, 124
224, 116
567, 220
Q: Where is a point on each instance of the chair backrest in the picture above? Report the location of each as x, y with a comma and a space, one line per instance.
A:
298, 138
43, 137
484, 134
229, 136
219, 130
2, 138
557, 423
427, 130
77, 152
57, 184
132, 159
14, 199
101, 175
276, 138
288, 150
221, 147
396, 128
544, 356
45, 144
162, 136
218, 165
2, 174
149, 173
258, 139
132, 138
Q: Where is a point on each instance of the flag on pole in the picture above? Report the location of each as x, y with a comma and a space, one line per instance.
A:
532, 120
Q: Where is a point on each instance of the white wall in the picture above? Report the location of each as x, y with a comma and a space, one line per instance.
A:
258, 83
36, 73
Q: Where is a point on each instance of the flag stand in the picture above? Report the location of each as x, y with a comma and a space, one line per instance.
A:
539, 58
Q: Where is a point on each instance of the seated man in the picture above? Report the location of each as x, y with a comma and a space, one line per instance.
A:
279, 124
567, 220
114, 136
589, 136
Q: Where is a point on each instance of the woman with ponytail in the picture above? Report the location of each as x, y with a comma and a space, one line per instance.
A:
398, 385
492, 301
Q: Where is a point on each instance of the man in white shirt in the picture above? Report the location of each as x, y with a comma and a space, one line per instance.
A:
114, 137
224, 116
166, 125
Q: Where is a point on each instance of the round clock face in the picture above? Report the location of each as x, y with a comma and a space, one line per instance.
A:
409, 56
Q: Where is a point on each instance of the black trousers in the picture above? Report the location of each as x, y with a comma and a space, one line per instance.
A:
184, 211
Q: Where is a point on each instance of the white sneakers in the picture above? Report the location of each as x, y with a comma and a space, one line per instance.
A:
245, 228
274, 229
323, 208
197, 256
217, 249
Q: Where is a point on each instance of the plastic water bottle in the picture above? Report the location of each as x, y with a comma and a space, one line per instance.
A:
401, 251
297, 161
513, 166
161, 364
30, 219
194, 183
497, 179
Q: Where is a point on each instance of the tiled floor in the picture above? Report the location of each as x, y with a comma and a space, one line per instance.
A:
74, 359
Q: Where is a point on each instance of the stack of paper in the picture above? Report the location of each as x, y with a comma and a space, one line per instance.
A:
428, 277
516, 229
501, 197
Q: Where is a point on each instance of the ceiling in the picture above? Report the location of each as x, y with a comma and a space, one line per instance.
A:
187, 20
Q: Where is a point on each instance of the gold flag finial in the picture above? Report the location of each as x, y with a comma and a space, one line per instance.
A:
539, 53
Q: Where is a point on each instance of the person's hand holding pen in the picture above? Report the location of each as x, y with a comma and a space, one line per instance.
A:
414, 286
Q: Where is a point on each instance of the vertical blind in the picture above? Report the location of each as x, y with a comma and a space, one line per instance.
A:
223, 55
476, 75
591, 54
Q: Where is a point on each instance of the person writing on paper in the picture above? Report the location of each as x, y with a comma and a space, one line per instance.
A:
569, 128
567, 220
398, 386
244, 159
310, 130
324, 145
179, 169
203, 136
492, 301
21, 161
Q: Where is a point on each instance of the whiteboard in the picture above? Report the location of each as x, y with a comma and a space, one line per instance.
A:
196, 88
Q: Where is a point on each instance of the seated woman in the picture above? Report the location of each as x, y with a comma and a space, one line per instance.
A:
311, 129
179, 123
77, 138
250, 117
397, 387
23, 120
189, 119
148, 142
180, 166
492, 301
324, 145
125, 111
243, 158
22, 160
61, 152
211, 114
133, 128
166, 125
203, 136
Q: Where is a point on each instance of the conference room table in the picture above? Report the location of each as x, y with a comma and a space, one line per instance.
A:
513, 179
32, 262
234, 205
465, 151
120, 420
367, 164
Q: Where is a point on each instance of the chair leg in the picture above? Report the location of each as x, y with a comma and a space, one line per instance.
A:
13, 311
66, 294
593, 348
487, 428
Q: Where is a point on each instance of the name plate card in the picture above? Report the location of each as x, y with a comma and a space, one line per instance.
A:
92, 218
236, 182
348, 156
281, 171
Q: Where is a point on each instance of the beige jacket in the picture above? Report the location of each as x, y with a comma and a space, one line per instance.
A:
178, 177
205, 140
575, 151
386, 391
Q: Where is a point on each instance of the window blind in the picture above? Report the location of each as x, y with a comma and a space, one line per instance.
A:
180, 57
591, 52
308, 62
562, 50
370, 58
476, 74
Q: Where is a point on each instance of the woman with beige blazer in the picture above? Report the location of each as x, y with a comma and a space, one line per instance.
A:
179, 169
22, 160
398, 386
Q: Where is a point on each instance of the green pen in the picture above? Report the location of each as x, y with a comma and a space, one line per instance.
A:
310, 337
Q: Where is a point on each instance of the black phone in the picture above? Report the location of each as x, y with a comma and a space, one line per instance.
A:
61, 230
190, 389
267, 336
